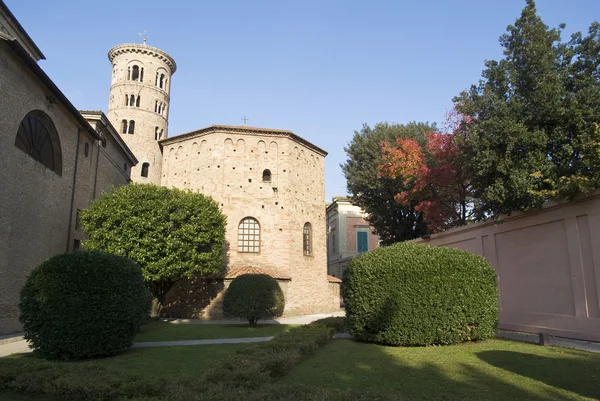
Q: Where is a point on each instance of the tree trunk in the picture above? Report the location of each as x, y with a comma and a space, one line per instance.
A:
157, 306
159, 290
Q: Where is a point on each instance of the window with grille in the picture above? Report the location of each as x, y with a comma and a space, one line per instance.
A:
307, 239
249, 236
37, 136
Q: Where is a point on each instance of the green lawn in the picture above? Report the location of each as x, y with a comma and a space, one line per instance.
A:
160, 331
491, 370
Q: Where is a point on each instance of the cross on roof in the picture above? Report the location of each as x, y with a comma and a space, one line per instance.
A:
143, 36
245, 119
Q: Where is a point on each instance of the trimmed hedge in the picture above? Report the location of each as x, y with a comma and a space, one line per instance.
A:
266, 362
83, 305
253, 297
416, 294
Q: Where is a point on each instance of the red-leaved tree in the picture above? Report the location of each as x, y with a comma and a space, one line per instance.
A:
431, 168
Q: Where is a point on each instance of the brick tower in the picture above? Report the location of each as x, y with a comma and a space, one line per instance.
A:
139, 104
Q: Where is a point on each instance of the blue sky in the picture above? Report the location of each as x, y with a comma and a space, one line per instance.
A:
319, 68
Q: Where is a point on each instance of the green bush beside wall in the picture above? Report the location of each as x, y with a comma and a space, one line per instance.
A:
415, 294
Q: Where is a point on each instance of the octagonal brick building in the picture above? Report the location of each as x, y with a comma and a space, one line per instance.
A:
268, 182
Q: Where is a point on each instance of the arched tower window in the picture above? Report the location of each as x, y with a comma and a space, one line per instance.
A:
161, 81
124, 126
128, 73
307, 239
137, 101
249, 235
37, 136
126, 100
267, 175
142, 74
131, 127
131, 100
145, 168
158, 133
135, 73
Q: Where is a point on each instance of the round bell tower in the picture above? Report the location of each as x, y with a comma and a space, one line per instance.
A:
138, 105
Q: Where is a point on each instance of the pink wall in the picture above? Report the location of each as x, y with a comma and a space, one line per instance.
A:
351, 229
548, 266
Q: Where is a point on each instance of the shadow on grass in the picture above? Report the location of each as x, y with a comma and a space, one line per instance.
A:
583, 380
446, 373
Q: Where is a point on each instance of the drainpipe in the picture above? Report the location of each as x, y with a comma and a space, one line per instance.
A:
73, 190
96, 174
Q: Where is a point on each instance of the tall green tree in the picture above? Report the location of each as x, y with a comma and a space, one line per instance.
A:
375, 194
170, 233
533, 132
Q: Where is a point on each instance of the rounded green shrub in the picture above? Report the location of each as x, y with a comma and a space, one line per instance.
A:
253, 297
83, 305
415, 294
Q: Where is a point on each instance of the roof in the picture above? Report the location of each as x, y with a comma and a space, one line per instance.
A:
59, 97
244, 129
19, 28
238, 271
144, 49
332, 279
99, 115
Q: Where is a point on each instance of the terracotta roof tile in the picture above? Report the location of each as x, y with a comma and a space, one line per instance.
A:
332, 279
238, 271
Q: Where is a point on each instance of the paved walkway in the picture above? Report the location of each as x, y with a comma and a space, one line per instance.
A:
201, 342
306, 319
556, 341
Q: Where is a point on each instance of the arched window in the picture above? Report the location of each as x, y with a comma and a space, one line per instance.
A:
137, 101
128, 73
131, 100
267, 175
135, 73
161, 81
142, 74
145, 168
307, 239
124, 126
37, 136
158, 133
126, 100
249, 235
131, 127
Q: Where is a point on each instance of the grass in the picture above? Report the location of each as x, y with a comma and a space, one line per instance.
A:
490, 370
160, 331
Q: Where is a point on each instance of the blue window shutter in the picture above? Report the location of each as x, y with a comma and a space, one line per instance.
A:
363, 241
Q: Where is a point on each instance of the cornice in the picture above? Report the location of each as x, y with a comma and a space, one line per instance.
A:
244, 130
143, 49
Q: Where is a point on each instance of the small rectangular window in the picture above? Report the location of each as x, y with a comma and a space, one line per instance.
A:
76, 245
362, 238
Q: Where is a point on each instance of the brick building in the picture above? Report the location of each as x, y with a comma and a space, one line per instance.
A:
348, 234
268, 182
53, 161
